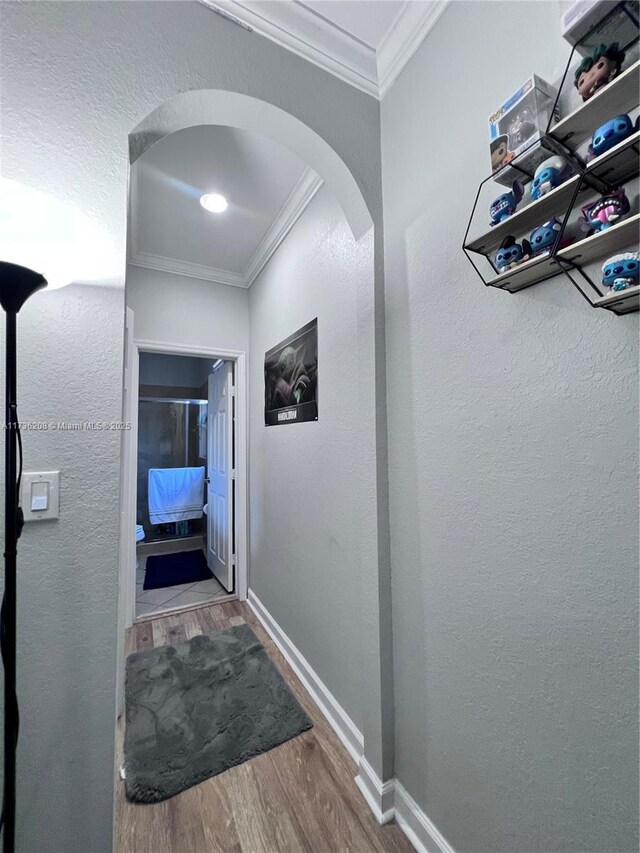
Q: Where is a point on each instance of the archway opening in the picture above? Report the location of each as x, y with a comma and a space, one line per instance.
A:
234, 110
310, 530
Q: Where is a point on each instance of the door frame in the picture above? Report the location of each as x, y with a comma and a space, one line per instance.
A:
130, 472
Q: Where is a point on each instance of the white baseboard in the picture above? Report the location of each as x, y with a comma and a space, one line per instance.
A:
379, 795
342, 724
386, 800
423, 834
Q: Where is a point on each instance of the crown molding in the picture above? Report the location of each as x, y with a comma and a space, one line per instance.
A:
285, 219
405, 36
288, 215
177, 267
307, 33
303, 31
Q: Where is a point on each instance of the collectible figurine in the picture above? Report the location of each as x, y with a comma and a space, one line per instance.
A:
521, 128
596, 71
500, 154
510, 253
609, 134
544, 236
621, 271
550, 174
505, 205
606, 211
519, 124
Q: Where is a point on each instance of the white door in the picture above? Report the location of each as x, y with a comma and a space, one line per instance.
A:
220, 555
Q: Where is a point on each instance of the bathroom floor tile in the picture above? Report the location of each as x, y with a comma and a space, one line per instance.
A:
156, 596
189, 597
143, 609
174, 590
210, 586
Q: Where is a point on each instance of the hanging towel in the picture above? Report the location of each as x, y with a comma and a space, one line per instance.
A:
175, 494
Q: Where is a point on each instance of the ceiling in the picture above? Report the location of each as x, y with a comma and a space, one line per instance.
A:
267, 189
366, 43
367, 21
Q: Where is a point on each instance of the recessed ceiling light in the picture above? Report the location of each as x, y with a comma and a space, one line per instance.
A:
214, 202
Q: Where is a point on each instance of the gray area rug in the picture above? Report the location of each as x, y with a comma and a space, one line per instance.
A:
197, 708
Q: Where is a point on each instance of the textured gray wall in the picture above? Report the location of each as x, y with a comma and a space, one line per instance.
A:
175, 309
513, 425
69, 370
76, 79
312, 513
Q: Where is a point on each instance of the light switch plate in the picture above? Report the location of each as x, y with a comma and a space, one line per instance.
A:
49, 478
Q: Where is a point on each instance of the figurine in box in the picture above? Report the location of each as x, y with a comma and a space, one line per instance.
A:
500, 154
549, 174
606, 211
597, 70
505, 205
521, 128
517, 128
621, 271
609, 134
510, 253
544, 236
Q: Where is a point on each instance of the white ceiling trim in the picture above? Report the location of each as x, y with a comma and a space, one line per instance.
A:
308, 34
187, 268
288, 215
285, 219
402, 40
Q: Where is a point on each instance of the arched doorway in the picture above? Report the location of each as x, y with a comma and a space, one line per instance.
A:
232, 109
242, 112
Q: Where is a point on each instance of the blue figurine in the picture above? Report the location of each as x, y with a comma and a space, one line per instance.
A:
549, 174
610, 134
505, 205
544, 236
510, 253
621, 271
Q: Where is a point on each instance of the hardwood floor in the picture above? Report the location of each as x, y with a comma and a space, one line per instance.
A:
297, 797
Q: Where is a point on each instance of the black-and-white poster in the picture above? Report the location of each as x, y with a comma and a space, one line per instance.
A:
291, 378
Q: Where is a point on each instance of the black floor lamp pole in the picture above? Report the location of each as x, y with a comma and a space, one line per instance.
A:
9, 601
16, 286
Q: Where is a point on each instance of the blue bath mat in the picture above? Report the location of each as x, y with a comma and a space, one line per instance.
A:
175, 569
